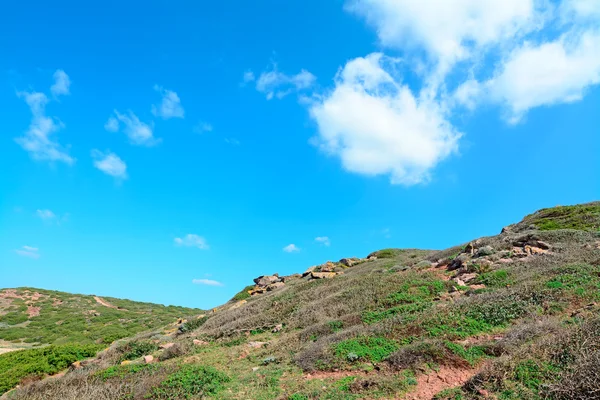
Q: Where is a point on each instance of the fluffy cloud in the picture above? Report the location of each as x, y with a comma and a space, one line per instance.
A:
110, 164
192, 240
28, 251
376, 125
448, 31
38, 139
274, 83
549, 73
46, 215
138, 132
62, 83
324, 240
207, 282
170, 106
291, 248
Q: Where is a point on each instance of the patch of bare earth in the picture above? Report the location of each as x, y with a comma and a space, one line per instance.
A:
334, 374
33, 311
428, 385
105, 303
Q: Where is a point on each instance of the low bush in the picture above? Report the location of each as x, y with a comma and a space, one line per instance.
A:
191, 381
367, 348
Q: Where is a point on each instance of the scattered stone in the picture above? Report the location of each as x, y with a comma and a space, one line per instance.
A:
458, 262
254, 369
327, 267
148, 359
167, 345
257, 345
532, 250
477, 287
459, 282
371, 258
505, 261
309, 271
470, 248
468, 277
238, 304
290, 277
76, 365
269, 360
323, 275
266, 280
126, 362
198, 342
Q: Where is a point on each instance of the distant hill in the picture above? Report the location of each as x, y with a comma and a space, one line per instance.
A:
31, 317
511, 316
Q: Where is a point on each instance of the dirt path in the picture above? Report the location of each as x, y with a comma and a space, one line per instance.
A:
104, 303
428, 385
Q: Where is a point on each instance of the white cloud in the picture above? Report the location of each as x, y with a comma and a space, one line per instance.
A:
248, 77
207, 282
192, 240
46, 214
28, 251
324, 240
233, 141
170, 106
202, 127
553, 72
112, 124
38, 139
110, 164
291, 248
138, 132
375, 124
62, 83
447, 31
274, 83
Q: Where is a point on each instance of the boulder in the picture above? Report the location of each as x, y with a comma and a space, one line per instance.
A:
167, 345
323, 275
198, 342
327, 267
459, 282
76, 365
275, 286
349, 262
468, 277
277, 328
532, 250
459, 261
148, 359
309, 271
266, 280
290, 277
371, 258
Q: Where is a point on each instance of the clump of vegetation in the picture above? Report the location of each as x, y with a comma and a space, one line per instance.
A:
585, 217
121, 371
191, 381
192, 324
243, 294
137, 349
387, 253
17, 365
367, 348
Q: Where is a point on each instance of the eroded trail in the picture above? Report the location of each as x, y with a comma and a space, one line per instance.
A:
105, 303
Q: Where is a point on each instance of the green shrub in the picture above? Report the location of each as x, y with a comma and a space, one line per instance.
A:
191, 381
498, 278
192, 324
367, 348
243, 294
18, 365
133, 350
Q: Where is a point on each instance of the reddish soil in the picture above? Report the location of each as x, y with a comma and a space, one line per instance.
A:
428, 385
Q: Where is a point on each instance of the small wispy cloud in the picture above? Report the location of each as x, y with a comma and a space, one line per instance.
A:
274, 83
202, 127
324, 240
110, 164
45, 214
38, 140
138, 132
232, 141
192, 240
291, 248
207, 282
28, 251
170, 106
62, 83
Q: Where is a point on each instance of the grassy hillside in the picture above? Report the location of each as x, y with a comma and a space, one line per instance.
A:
513, 316
34, 316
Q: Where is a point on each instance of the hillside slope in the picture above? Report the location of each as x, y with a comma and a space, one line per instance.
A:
512, 316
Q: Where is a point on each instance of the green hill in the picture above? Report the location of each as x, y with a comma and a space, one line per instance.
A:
512, 316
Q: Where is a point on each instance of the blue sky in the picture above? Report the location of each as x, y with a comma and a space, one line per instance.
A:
172, 151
